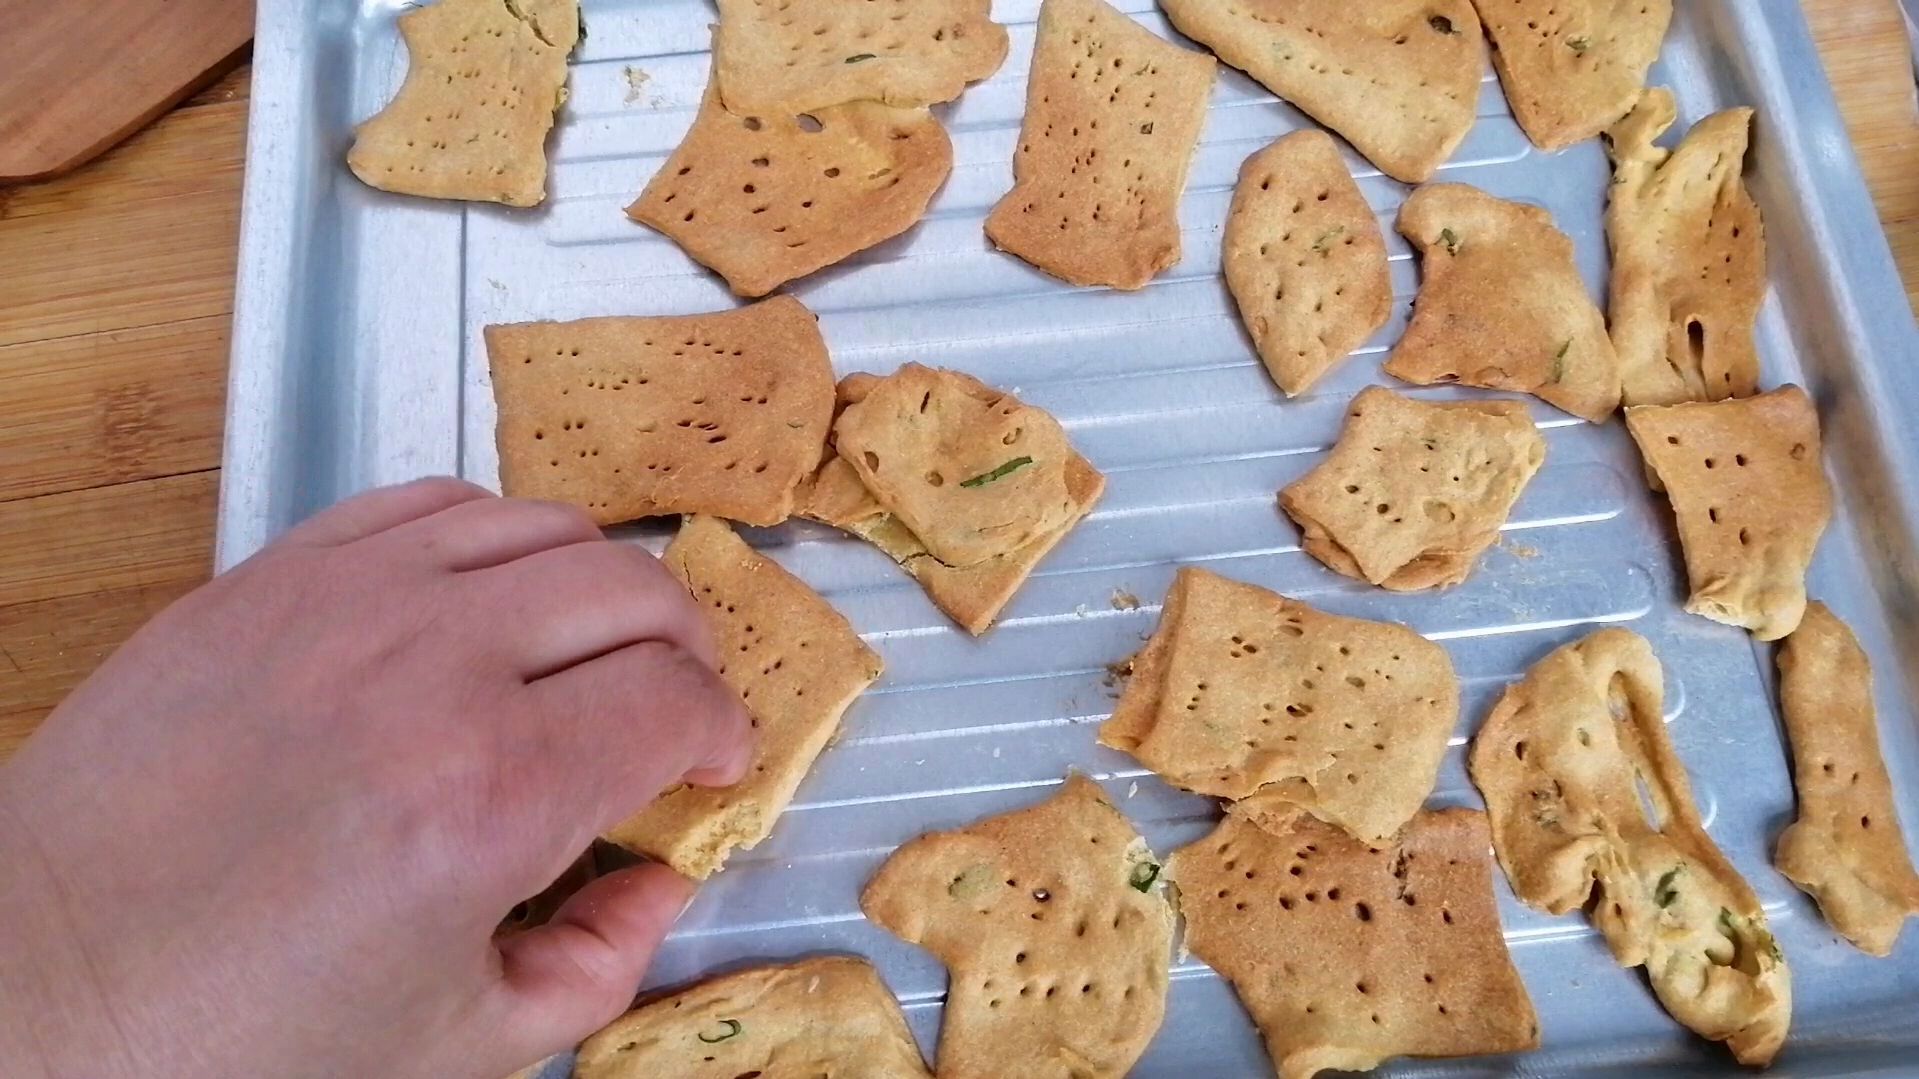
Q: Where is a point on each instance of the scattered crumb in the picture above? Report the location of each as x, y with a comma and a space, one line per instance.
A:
636, 80
1080, 611
496, 283
1520, 550
1124, 600
1132, 788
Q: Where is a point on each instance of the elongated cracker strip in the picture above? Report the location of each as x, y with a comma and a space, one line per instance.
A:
792, 56
1571, 67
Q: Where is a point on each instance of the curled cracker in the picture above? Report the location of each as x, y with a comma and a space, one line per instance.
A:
1571, 67
793, 56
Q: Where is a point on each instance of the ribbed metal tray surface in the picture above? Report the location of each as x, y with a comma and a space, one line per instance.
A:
358, 360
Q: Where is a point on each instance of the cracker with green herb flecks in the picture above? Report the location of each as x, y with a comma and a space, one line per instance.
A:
1501, 304
1571, 67
793, 56
826, 1016
1055, 930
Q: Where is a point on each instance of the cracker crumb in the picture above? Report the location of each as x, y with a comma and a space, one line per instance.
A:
1520, 550
1124, 600
636, 80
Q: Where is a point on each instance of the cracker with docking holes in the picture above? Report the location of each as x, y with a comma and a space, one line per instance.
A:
483, 82
1415, 491
1572, 67
1055, 930
762, 199
1748, 489
1688, 257
1399, 79
1252, 695
1501, 304
1304, 259
1591, 809
1846, 849
1347, 956
796, 664
1113, 114
723, 413
826, 1016
793, 56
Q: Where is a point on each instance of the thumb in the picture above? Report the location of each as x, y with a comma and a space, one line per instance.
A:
577, 973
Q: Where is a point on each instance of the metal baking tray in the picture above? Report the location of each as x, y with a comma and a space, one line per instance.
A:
357, 360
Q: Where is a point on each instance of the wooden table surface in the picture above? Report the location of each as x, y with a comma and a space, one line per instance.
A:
116, 288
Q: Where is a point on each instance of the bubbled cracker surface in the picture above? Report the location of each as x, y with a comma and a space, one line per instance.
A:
484, 79
1057, 961
1346, 956
1748, 487
761, 199
791, 56
1414, 492
796, 664
1305, 259
1399, 79
1113, 113
1571, 67
636, 417
1501, 304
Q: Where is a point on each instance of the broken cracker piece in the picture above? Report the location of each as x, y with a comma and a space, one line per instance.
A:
1688, 257
1347, 956
762, 199
1055, 930
1304, 259
1414, 492
794, 56
1845, 849
1572, 67
1750, 495
825, 1016
1501, 304
1113, 113
483, 82
724, 413
1399, 79
1592, 809
1256, 696
796, 664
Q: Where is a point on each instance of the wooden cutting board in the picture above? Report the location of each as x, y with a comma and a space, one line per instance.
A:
77, 76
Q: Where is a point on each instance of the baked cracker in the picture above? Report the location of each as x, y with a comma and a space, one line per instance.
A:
1258, 696
1688, 257
825, 1016
793, 56
1751, 499
1415, 491
1399, 79
796, 664
1501, 304
1571, 67
1846, 849
483, 81
1566, 761
1347, 956
1113, 113
1055, 931
723, 413
762, 199
1305, 259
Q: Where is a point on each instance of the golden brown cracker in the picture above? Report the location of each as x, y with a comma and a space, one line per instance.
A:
796, 664
1399, 79
1592, 809
762, 199
1415, 491
1112, 116
1750, 495
1846, 849
483, 82
1572, 67
1347, 956
1055, 931
825, 1016
1260, 695
1688, 257
1305, 259
793, 56
1501, 304
723, 413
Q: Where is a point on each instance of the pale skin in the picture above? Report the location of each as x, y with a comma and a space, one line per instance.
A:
272, 835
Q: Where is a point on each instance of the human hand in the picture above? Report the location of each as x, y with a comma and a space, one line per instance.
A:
272, 835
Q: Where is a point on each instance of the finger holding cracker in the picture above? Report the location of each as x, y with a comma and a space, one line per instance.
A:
1571, 67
